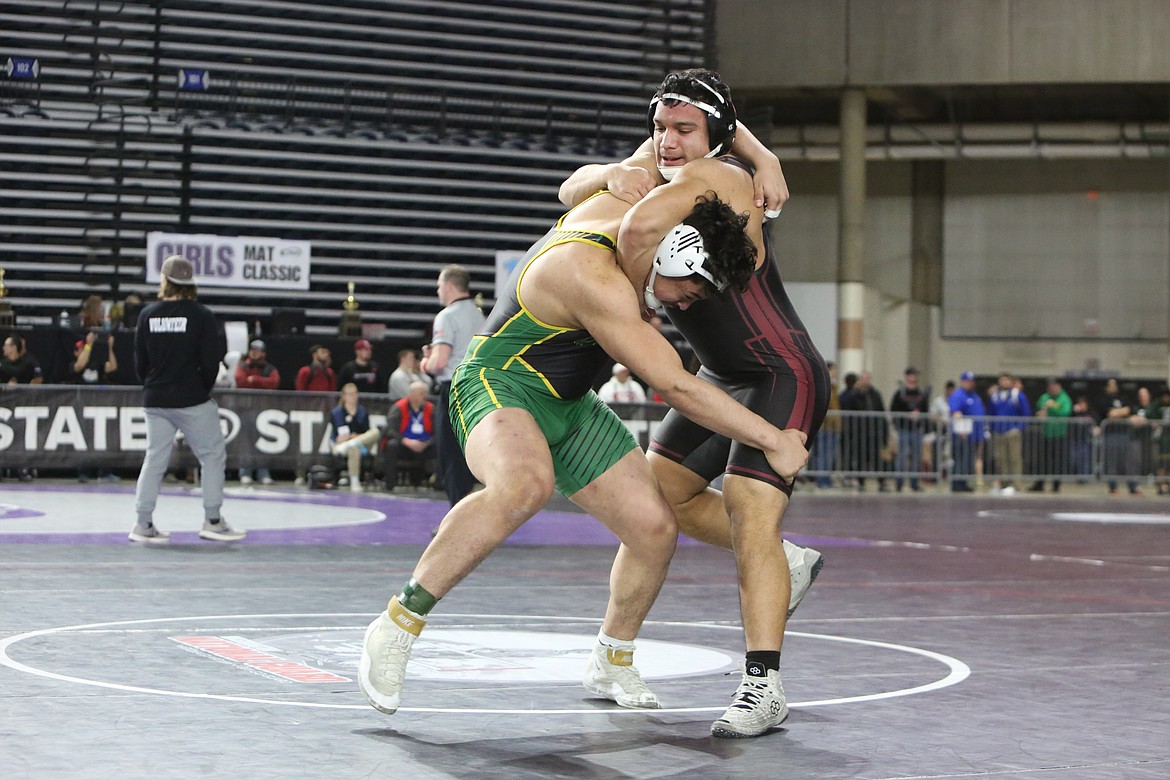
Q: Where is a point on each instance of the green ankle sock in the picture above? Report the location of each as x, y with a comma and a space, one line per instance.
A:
415, 598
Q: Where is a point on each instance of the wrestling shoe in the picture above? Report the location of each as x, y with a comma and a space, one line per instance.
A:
149, 535
611, 675
220, 532
758, 705
804, 564
385, 653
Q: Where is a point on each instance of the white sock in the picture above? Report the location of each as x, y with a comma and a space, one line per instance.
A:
617, 644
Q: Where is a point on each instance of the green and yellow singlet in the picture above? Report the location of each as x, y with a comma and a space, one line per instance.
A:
566, 360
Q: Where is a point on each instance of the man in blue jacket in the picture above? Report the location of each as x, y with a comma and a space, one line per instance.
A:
967, 431
1007, 401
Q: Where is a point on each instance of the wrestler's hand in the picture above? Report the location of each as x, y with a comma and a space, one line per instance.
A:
770, 187
790, 455
630, 183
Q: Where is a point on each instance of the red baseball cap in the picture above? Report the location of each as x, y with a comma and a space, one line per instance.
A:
362, 344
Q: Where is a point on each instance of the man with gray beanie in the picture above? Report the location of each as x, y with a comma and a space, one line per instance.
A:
177, 349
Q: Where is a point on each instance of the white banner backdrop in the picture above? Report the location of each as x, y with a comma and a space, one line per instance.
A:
234, 261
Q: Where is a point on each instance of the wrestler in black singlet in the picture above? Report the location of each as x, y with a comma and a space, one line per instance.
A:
752, 345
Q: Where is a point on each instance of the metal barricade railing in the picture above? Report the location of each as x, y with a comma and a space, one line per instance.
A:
907, 449
1014, 452
1133, 450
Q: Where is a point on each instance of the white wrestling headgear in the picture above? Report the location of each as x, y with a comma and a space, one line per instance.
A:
678, 256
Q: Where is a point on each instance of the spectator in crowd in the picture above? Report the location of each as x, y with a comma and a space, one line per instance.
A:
409, 438
1158, 413
911, 407
93, 313
1083, 429
1054, 407
828, 442
88, 368
868, 428
1114, 412
1142, 437
621, 388
454, 327
967, 432
1009, 404
848, 432
254, 372
124, 315
177, 353
351, 434
317, 376
850, 386
94, 361
405, 375
363, 371
18, 366
937, 450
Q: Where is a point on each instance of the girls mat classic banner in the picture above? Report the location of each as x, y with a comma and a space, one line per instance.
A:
66, 427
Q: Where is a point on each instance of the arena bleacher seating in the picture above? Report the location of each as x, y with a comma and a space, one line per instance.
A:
396, 137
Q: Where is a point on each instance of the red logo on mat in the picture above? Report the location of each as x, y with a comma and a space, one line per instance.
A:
237, 650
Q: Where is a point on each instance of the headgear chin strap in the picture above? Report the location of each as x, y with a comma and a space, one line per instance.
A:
679, 255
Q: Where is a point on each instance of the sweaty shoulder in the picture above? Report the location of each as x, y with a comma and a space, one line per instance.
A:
602, 213
569, 282
727, 176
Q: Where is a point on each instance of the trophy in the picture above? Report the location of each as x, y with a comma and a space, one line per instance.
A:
7, 318
350, 325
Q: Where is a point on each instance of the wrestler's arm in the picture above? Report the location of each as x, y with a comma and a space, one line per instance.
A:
648, 222
628, 180
604, 303
634, 177
771, 190
435, 357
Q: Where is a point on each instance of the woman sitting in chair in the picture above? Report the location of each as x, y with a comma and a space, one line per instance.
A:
352, 435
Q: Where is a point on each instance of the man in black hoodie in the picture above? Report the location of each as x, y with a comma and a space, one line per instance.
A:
177, 349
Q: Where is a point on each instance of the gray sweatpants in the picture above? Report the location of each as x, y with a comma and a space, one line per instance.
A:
200, 426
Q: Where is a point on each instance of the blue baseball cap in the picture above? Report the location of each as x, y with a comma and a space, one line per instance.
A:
967, 376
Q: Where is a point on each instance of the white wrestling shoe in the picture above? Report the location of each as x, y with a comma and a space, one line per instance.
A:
611, 675
758, 705
804, 564
385, 653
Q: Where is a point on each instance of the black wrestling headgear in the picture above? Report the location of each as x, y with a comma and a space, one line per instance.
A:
704, 90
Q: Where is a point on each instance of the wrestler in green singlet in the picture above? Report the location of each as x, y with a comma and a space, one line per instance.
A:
547, 370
